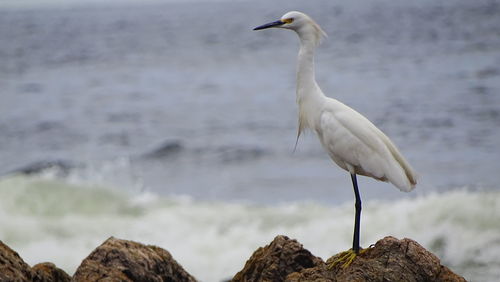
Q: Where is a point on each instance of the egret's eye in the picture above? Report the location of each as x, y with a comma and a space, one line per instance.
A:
288, 21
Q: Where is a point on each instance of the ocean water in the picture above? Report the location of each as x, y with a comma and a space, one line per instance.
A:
173, 123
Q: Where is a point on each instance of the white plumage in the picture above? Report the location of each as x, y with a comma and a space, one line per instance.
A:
359, 147
350, 139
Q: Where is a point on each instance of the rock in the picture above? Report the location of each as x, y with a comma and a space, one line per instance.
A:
122, 260
389, 260
48, 272
284, 259
12, 266
276, 260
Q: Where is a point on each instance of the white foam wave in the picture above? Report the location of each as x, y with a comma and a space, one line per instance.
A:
50, 220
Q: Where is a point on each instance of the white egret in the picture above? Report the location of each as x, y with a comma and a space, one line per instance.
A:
350, 139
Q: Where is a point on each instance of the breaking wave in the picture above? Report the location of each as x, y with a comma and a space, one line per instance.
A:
48, 219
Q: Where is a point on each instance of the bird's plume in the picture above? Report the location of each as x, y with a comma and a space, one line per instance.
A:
318, 32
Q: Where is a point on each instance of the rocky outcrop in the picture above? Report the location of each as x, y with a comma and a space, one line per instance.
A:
284, 259
276, 260
48, 272
122, 260
389, 260
13, 268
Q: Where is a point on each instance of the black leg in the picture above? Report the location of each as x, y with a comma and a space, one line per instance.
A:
355, 241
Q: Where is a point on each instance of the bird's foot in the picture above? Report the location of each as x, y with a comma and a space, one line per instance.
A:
344, 258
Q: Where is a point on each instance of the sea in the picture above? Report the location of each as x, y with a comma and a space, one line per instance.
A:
173, 123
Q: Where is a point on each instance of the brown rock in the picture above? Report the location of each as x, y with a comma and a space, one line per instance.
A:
389, 260
276, 260
48, 272
122, 260
12, 266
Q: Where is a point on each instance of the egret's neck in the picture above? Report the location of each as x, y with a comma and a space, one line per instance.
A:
307, 87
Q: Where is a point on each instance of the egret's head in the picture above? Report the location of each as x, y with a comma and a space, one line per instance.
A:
306, 28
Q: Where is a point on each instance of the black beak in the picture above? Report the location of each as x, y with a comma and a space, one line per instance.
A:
268, 25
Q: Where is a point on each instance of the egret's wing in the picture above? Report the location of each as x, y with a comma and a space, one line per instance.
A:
351, 138
347, 140
400, 159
